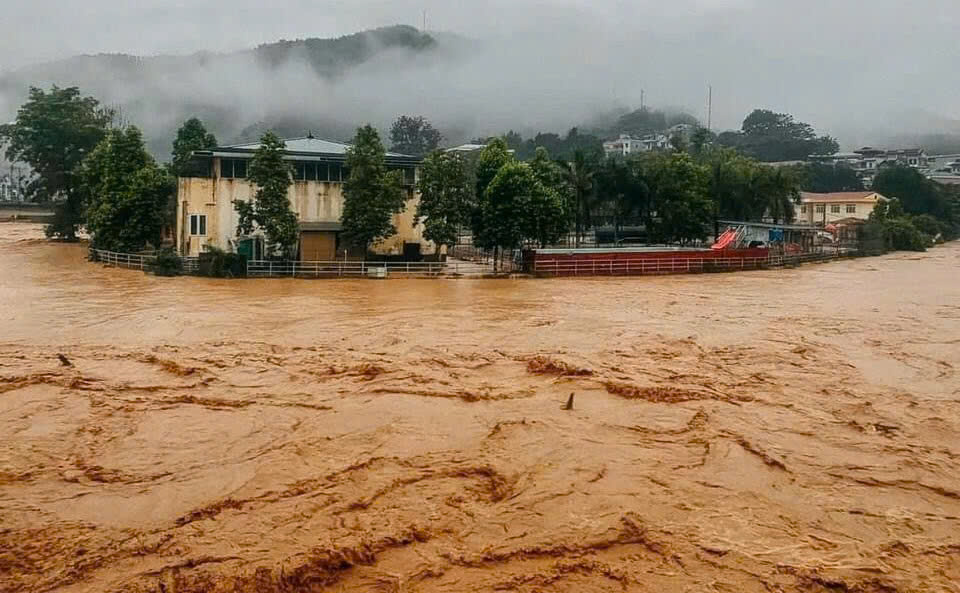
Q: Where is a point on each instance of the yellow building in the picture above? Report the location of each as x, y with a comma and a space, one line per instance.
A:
206, 214
824, 209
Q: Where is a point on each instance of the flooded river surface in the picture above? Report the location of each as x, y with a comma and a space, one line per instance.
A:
788, 430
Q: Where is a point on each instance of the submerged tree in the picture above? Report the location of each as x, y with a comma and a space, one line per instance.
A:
446, 197
372, 195
269, 210
126, 193
53, 132
579, 173
414, 136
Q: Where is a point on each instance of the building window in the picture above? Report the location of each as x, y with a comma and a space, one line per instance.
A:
335, 172
821, 208
851, 208
233, 168
835, 208
803, 209
198, 225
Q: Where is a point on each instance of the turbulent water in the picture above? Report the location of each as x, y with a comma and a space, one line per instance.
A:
753, 432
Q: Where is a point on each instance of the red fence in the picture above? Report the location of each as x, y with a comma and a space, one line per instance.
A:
617, 263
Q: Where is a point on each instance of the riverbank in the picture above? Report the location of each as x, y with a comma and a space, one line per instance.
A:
785, 430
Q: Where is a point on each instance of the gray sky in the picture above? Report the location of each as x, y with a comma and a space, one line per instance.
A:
847, 66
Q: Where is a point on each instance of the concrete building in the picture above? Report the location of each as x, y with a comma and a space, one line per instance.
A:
824, 209
626, 145
206, 214
868, 161
9, 190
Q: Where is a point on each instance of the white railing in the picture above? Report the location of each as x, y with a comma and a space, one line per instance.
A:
333, 269
139, 261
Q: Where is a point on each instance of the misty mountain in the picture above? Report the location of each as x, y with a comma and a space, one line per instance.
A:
278, 85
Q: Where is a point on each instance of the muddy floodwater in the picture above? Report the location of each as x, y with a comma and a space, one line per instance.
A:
788, 430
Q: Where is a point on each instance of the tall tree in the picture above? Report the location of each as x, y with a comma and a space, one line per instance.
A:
414, 136
53, 132
446, 197
269, 211
579, 173
821, 178
918, 194
372, 195
191, 136
127, 193
684, 209
769, 136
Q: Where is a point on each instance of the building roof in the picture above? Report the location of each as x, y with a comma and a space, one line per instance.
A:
844, 196
467, 148
307, 146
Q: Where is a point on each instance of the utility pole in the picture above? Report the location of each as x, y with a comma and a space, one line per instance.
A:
710, 107
424, 20
642, 98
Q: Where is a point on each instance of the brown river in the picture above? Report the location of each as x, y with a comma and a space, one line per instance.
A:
772, 431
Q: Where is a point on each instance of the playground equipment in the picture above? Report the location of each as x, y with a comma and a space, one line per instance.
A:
732, 237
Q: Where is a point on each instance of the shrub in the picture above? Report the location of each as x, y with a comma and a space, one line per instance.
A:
167, 263
903, 236
217, 263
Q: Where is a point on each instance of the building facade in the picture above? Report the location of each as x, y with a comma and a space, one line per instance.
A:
824, 209
206, 215
626, 145
868, 161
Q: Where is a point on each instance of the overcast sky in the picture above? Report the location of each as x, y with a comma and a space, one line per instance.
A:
841, 64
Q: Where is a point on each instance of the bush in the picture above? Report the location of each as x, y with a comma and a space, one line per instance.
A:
903, 236
217, 263
929, 225
167, 263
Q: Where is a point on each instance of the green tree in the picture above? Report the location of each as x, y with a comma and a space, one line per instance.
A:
821, 178
127, 193
446, 197
579, 173
768, 136
548, 214
372, 195
494, 155
918, 194
53, 132
269, 210
622, 190
683, 206
191, 136
414, 136
518, 208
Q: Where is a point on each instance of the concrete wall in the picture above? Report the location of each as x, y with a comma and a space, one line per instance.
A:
312, 201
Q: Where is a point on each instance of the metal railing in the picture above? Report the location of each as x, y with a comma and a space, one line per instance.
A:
138, 261
654, 266
334, 269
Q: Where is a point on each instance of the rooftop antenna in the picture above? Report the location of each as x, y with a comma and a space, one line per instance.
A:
643, 95
424, 20
310, 135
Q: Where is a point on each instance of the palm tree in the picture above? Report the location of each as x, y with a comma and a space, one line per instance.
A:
579, 173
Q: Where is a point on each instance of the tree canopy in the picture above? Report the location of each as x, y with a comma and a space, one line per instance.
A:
918, 194
191, 136
770, 137
53, 133
414, 136
446, 197
126, 193
269, 210
372, 194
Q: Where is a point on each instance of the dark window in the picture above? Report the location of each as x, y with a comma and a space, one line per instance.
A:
299, 171
335, 172
233, 168
410, 176
322, 173
835, 209
198, 224
226, 168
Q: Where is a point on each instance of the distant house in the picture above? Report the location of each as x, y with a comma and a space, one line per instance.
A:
206, 214
868, 161
626, 145
824, 209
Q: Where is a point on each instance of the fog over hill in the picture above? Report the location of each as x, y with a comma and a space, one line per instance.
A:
875, 76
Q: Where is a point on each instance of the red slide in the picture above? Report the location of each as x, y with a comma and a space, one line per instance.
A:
724, 240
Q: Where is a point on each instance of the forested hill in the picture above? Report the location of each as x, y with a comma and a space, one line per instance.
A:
230, 91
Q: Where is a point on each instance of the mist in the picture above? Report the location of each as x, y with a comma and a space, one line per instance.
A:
865, 74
